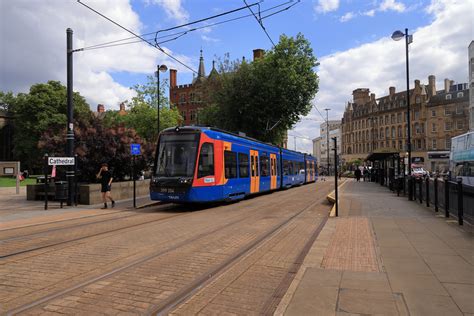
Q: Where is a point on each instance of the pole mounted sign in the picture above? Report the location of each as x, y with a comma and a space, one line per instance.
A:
135, 149
61, 161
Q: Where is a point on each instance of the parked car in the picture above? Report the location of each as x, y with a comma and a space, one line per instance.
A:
418, 172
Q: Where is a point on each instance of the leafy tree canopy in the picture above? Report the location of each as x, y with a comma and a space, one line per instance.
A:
142, 114
43, 108
265, 98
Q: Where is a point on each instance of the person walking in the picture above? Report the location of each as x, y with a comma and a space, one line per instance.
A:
357, 174
366, 174
105, 177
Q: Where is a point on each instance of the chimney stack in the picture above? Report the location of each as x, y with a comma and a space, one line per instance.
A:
417, 83
432, 85
258, 53
372, 97
173, 75
447, 84
392, 91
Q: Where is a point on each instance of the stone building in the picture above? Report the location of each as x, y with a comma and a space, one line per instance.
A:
320, 144
380, 125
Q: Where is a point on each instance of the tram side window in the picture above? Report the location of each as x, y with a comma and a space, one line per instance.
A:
243, 165
286, 168
206, 160
264, 166
230, 164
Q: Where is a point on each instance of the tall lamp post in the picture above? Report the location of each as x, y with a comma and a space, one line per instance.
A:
159, 68
396, 36
327, 135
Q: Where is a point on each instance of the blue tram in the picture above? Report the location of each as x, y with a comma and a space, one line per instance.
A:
203, 164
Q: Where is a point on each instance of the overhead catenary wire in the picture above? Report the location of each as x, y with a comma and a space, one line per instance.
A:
259, 20
140, 37
182, 33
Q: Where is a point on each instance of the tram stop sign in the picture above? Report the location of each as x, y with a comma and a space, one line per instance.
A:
135, 149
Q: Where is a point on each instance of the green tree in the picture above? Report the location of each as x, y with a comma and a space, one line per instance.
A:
142, 114
96, 144
265, 98
43, 108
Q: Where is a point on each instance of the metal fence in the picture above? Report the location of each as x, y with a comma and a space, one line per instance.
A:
451, 197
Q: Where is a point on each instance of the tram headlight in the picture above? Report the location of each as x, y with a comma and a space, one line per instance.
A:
185, 180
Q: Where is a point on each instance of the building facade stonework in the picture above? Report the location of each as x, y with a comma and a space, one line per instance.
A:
380, 125
320, 144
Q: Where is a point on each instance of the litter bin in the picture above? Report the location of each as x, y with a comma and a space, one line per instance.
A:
61, 191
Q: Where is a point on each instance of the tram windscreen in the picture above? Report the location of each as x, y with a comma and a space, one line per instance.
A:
177, 155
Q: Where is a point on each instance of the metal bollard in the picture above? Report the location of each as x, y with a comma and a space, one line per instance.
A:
460, 202
410, 188
436, 193
428, 191
399, 184
446, 197
420, 186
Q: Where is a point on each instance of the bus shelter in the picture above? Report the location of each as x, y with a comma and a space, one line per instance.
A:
387, 166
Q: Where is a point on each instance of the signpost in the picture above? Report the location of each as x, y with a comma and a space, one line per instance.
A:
135, 150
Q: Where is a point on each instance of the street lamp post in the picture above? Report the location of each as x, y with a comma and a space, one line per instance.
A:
327, 135
159, 68
396, 36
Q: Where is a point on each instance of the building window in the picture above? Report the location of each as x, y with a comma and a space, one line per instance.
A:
417, 115
192, 115
392, 118
460, 95
387, 132
191, 97
418, 144
182, 97
448, 126
448, 143
399, 117
433, 127
393, 133
447, 111
459, 109
183, 115
386, 119
459, 124
418, 128
399, 131
417, 99
448, 97
433, 113
400, 145
433, 144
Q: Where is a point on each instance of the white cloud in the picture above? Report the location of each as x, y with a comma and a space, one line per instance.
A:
346, 17
439, 48
173, 9
369, 13
36, 49
209, 39
392, 5
325, 6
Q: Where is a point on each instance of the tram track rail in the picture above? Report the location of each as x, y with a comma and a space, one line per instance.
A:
7, 243
199, 282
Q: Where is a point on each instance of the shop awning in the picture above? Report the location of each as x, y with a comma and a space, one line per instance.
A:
382, 154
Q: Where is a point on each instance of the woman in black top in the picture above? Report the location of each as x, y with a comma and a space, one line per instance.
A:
106, 179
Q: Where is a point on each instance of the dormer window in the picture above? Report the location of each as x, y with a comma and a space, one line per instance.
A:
460, 94
448, 97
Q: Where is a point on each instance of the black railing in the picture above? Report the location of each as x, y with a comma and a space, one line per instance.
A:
454, 197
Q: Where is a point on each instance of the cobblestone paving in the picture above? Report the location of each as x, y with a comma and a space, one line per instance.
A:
188, 247
352, 246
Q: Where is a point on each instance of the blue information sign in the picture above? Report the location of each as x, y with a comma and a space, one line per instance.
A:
135, 149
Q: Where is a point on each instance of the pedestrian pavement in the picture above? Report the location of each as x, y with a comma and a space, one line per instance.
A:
17, 211
385, 255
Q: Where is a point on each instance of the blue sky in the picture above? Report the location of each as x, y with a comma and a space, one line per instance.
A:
351, 39
325, 30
